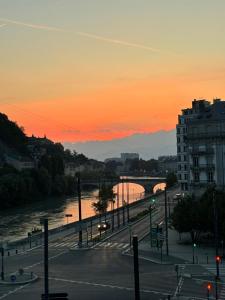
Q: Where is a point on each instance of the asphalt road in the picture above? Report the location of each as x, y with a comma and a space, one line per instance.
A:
102, 272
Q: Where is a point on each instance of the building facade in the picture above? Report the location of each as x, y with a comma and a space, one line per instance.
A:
201, 146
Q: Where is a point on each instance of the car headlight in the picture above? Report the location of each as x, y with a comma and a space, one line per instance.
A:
99, 226
104, 225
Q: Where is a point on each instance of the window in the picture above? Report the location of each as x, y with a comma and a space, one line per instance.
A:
185, 167
179, 167
179, 176
179, 158
178, 130
186, 176
195, 161
178, 140
210, 177
178, 149
196, 177
184, 158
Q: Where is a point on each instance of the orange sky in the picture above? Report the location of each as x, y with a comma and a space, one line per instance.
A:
79, 71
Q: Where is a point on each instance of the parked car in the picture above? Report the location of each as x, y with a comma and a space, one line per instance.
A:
104, 225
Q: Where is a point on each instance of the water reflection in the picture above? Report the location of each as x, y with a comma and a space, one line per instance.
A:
16, 223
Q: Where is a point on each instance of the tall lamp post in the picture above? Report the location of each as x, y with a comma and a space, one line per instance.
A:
166, 221
2, 271
79, 208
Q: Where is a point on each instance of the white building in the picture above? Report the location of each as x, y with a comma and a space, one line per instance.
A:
201, 145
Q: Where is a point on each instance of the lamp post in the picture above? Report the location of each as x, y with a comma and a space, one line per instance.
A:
150, 223
215, 212
79, 208
166, 222
2, 271
193, 253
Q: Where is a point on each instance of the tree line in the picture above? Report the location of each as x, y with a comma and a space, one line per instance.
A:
197, 215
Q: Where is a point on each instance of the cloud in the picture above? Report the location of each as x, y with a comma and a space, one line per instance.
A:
124, 43
2, 25
34, 26
83, 34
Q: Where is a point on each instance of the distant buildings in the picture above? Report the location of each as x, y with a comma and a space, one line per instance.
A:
129, 156
167, 163
201, 145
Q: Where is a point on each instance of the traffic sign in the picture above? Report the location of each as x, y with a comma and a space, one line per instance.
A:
13, 278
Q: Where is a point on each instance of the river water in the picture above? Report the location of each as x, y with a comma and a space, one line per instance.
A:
16, 223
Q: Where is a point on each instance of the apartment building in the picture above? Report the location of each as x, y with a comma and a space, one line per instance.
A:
201, 145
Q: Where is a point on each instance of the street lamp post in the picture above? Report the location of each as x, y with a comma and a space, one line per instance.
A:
193, 253
2, 271
79, 208
215, 211
166, 222
150, 223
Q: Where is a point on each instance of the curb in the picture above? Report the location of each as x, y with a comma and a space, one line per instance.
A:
35, 278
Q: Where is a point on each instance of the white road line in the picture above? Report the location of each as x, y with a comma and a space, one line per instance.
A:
14, 291
40, 262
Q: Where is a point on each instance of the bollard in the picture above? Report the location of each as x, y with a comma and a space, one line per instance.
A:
8, 253
16, 251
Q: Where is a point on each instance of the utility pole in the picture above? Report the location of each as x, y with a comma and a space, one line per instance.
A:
128, 202
46, 258
118, 205
166, 222
150, 223
215, 211
79, 208
2, 272
136, 268
123, 209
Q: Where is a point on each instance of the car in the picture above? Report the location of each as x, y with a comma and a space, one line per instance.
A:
104, 225
177, 197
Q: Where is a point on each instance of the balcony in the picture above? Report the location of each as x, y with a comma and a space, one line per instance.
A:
202, 167
205, 135
202, 183
207, 151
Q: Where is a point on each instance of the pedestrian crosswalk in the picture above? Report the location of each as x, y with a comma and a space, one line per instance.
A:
222, 293
64, 244
71, 244
212, 269
111, 245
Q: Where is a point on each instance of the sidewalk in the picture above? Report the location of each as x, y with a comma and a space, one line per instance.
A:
181, 251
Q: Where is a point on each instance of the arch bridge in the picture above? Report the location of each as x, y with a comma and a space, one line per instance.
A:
146, 182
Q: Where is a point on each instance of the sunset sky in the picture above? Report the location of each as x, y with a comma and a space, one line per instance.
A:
79, 70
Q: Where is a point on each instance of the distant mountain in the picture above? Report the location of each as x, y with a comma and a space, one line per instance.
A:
149, 145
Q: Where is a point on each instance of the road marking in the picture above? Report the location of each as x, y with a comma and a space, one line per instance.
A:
40, 262
13, 291
107, 286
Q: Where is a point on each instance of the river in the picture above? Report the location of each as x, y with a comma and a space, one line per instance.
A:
16, 223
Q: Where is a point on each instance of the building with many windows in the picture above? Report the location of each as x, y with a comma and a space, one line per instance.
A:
201, 145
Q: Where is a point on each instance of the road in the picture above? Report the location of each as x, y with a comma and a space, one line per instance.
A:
98, 273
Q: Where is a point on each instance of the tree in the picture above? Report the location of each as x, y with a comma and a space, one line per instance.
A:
171, 179
187, 217
106, 195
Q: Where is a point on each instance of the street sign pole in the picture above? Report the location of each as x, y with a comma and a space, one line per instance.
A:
136, 268
46, 258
